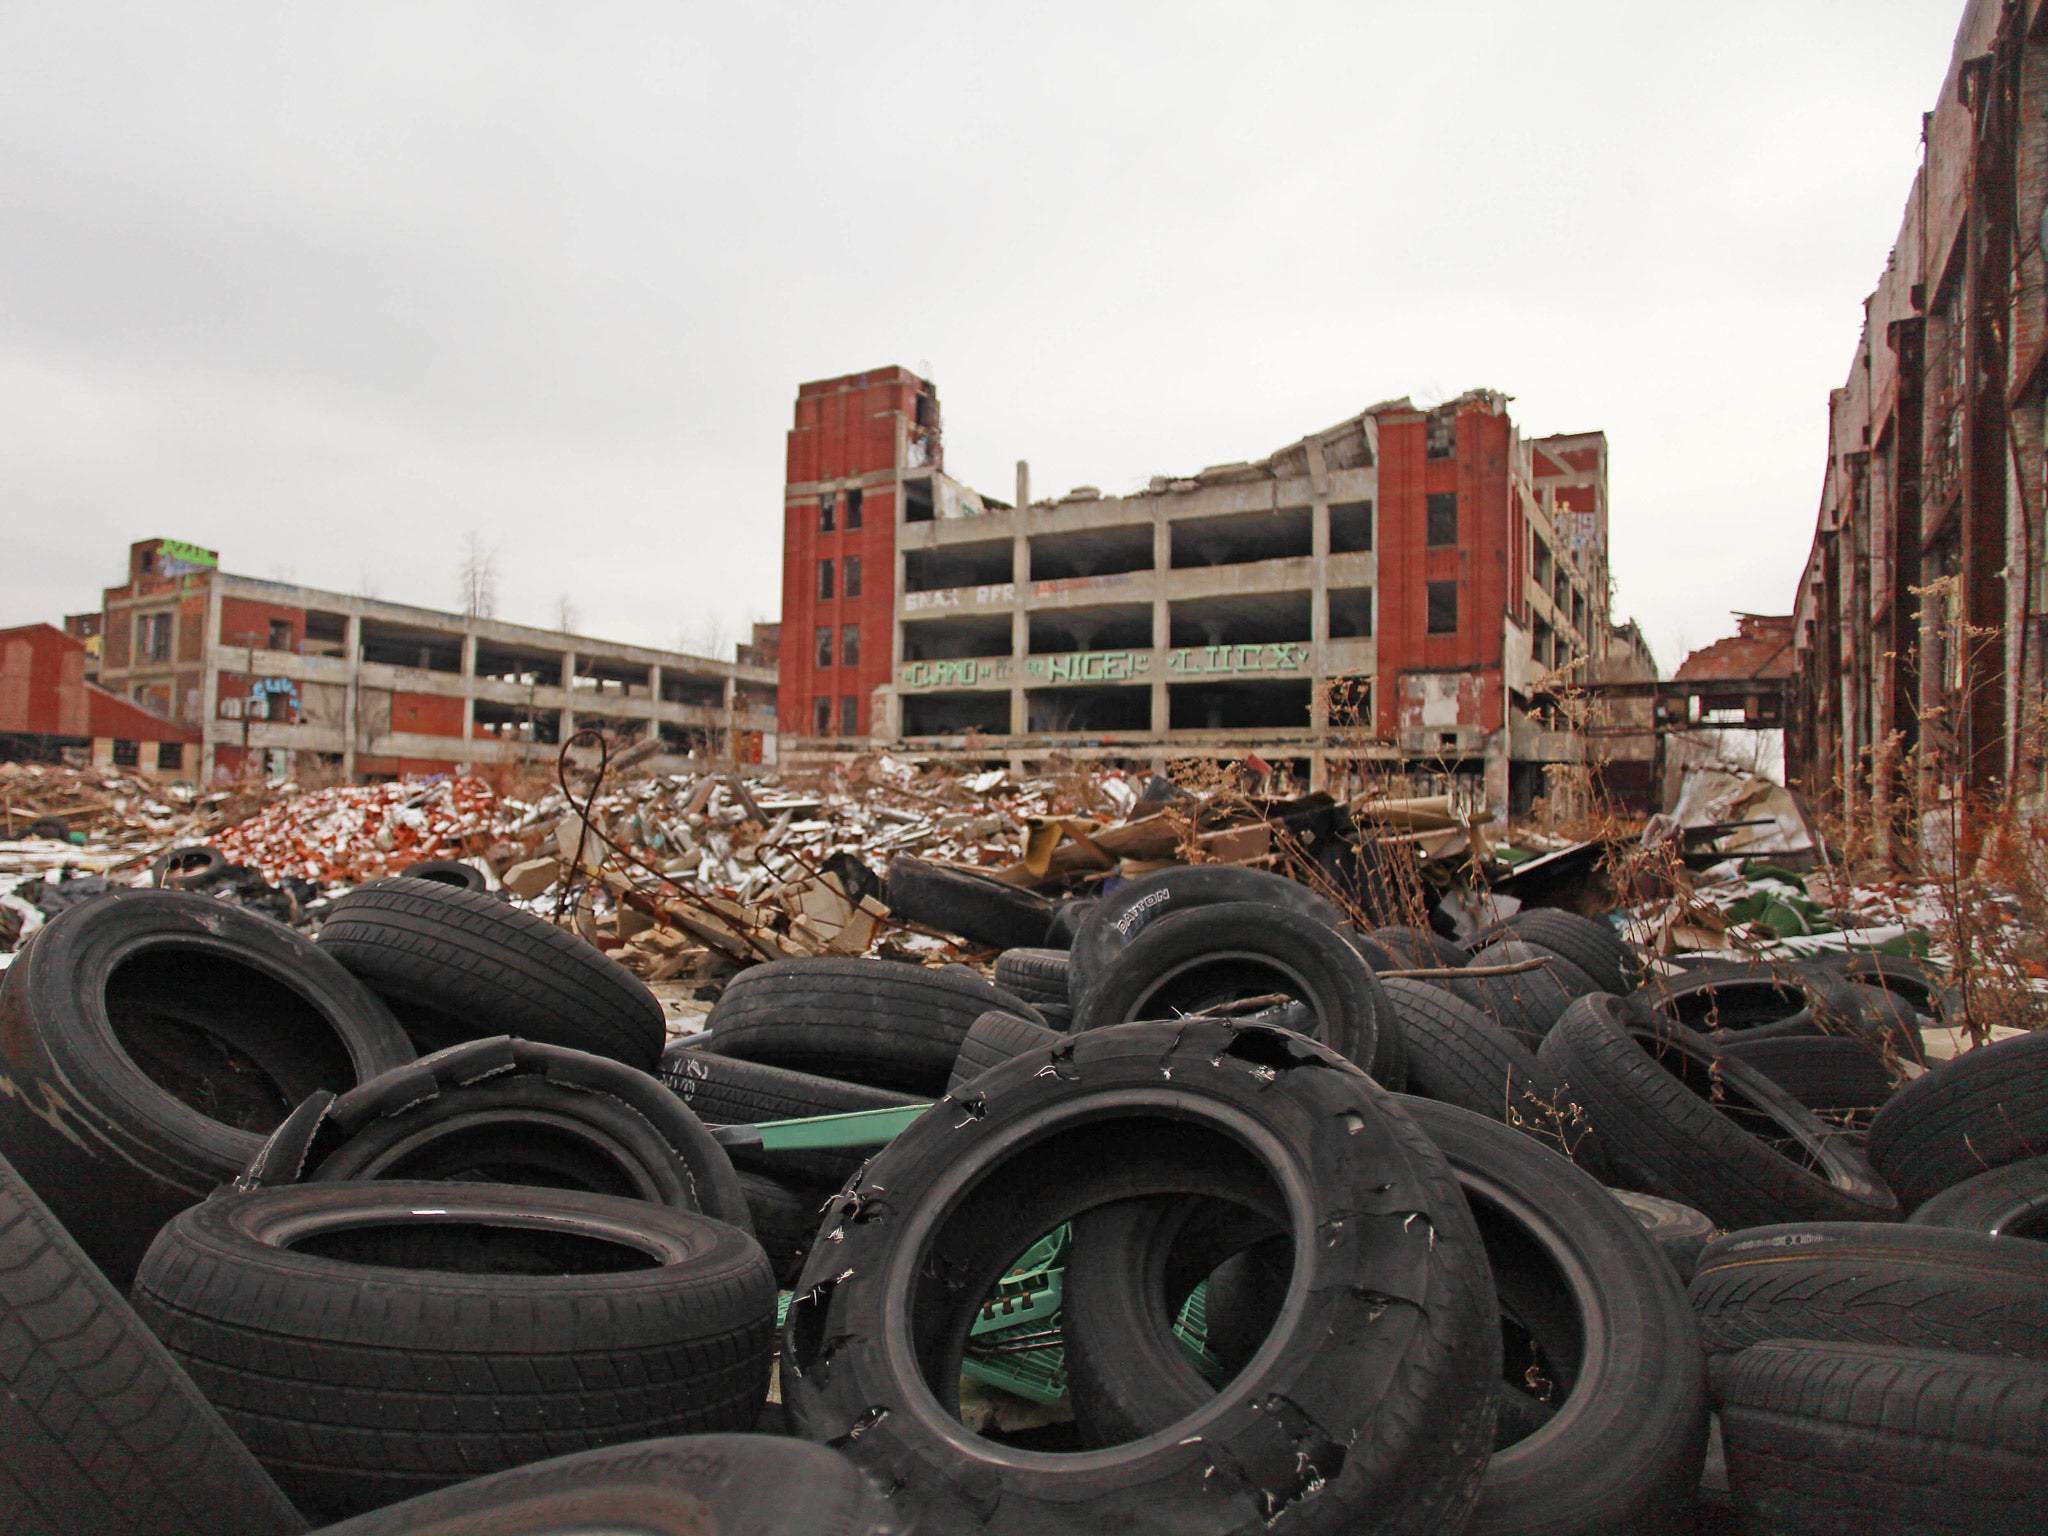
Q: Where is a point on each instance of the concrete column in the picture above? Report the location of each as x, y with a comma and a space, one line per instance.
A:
352, 649
1020, 619
568, 726
1162, 614
468, 753
732, 740
209, 681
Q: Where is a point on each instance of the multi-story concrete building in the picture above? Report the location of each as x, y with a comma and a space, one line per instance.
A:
373, 689
1390, 590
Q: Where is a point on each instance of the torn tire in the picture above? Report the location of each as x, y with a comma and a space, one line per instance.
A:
1843, 1437
971, 905
880, 1022
373, 1341
152, 1040
1211, 955
458, 964
1375, 1396
1679, 1119
1865, 1283
744, 1485
1984, 1109
104, 1431
507, 1111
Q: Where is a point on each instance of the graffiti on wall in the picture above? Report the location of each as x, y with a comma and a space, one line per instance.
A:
1110, 666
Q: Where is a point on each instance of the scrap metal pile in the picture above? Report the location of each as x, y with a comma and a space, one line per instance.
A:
1202, 1197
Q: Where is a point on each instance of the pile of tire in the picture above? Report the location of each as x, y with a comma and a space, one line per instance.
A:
1307, 1227
511, 1283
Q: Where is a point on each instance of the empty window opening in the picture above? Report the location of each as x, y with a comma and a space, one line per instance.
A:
849, 714
1262, 620
1350, 527
1441, 434
1442, 518
849, 646
1443, 607
618, 679
153, 637
1243, 537
1579, 612
691, 740
853, 509
390, 645
955, 714
504, 664
1540, 567
852, 575
326, 634
1351, 613
703, 692
917, 500
281, 634
1126, 627
1092, 552
825, 583
952, 638
1238, 706
957, 565
824, 645
1066, 711
821, 717
127, 754
828, 506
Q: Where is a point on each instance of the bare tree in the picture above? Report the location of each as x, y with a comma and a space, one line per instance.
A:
477, 590
566, 616
708, 636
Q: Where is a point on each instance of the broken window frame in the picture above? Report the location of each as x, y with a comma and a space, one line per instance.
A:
1441, 599
852, 519
824, 581
281, 635
827, 507
1440, 513
850, 587
824, 652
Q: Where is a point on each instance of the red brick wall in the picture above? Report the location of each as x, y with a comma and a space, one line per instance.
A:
244, 622
426, 714
843, 427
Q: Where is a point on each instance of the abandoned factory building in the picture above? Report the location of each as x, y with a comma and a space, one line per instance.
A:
1917, 635
274, 677
1396, 589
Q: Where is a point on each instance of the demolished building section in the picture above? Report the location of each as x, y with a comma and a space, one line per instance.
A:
1390, 592
1917, 630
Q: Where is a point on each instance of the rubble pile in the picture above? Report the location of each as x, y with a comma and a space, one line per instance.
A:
101, 806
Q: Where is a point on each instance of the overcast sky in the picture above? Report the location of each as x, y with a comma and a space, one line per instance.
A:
327, 287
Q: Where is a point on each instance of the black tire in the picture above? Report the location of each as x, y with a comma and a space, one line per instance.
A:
1067, 918
878, 1022
1036, 975
1757, 1002
1855, 1441
1986, 1108
995, 1039
507, 1111
48, 826
746, 1485
1457, 1055
104, 1431
179, 865
464, 877
1356, 1406
461, 964
1839, 1077
1543, 993
1526, 1004
1679, 1119
722, 1090
1593, 946
377, 1340
1596, 1329
1907, 980
1420, 949
152, 1039
976, 907
1859, 1282
1680, 1232
1120, 919
1058, 1017
1209, 955
2005, 1202
785, 1218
